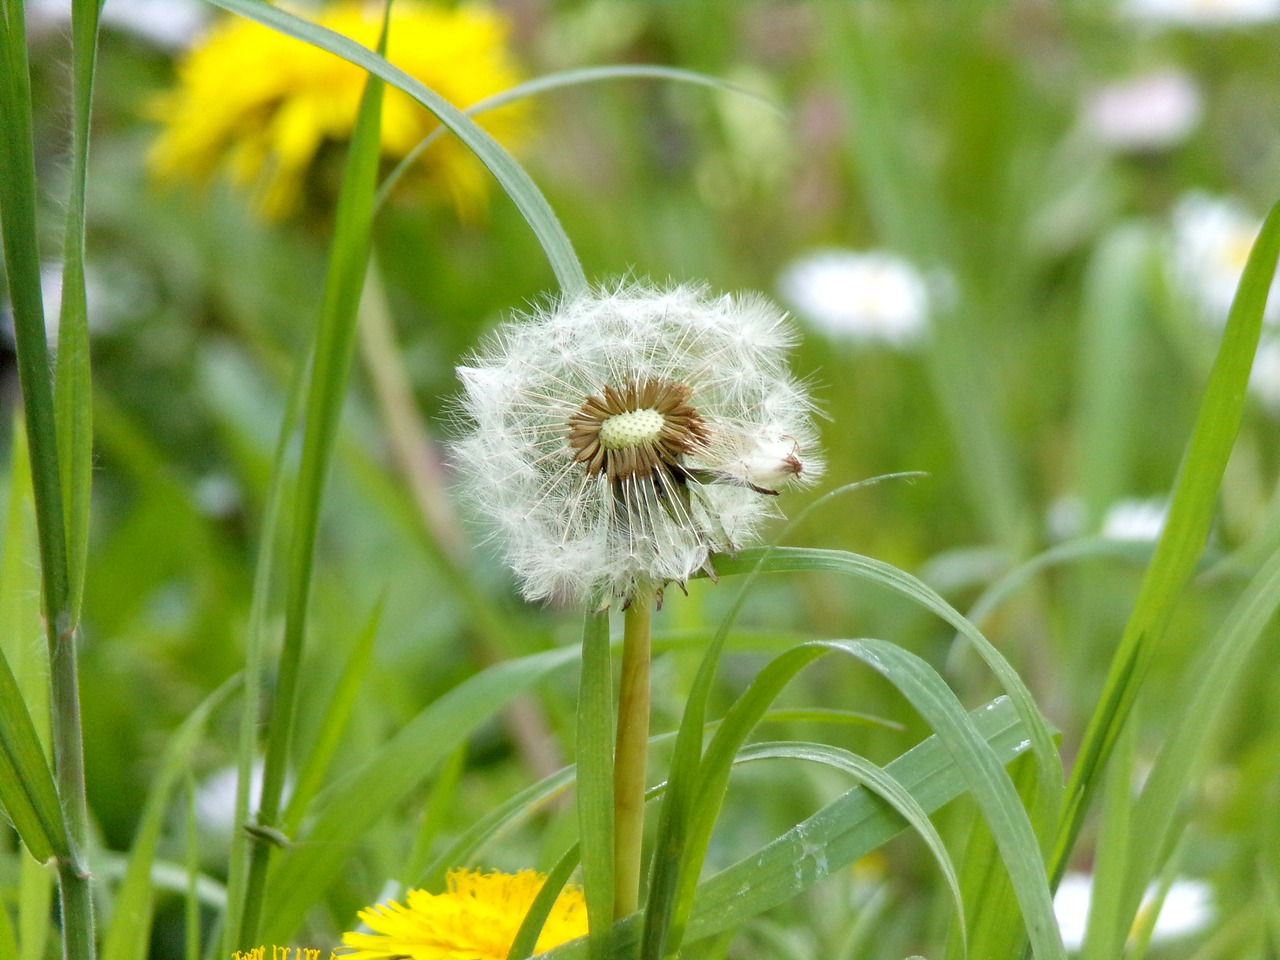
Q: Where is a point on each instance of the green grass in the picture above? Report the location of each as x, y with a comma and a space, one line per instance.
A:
890, 734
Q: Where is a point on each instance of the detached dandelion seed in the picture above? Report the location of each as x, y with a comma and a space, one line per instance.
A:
618, 438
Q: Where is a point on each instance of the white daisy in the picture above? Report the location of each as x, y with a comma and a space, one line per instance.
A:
1153, 111
1211, 241
618, 438
865, 297
1135, 520
1187, 909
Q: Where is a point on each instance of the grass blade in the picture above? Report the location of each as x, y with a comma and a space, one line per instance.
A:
846, 829
556, 81
1183, 537
73, 391
331, 364
920, 684
876, 779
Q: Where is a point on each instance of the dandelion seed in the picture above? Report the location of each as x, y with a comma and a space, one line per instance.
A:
476, 918
257, 106
874, 297
619, 438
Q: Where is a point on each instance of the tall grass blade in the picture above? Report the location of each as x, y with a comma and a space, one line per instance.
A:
331, 363
1208, 687
509, 174
844, 830
987, 780
73, 392
1183, 537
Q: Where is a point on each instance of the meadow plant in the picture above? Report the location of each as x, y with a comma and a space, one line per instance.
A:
626, 445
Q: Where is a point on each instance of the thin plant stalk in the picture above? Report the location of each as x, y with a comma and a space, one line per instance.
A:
630, 754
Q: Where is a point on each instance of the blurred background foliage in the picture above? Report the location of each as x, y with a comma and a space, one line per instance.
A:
1057, 374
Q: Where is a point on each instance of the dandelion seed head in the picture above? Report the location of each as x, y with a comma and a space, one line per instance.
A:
618, 438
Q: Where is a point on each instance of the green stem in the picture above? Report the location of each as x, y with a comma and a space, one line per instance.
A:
73, 874
629, 758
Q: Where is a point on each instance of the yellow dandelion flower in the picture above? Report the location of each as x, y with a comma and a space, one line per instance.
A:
257, 106
476, 919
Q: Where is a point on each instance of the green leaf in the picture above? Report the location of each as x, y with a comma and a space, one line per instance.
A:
526, 939
22, 264
879, 781
345, 811
509, 174
27, 791
1183, 537
330, 366
843, 831
129, 932
555, 81
989, 784
793, 559
73, 391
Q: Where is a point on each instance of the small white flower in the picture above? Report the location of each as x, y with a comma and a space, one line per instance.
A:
1187, 909
1202, 13
618, 438
1135, 520
866, 297
1212, 238
1152, 111
1071, 908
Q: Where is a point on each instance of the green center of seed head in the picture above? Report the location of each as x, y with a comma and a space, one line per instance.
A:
631, 429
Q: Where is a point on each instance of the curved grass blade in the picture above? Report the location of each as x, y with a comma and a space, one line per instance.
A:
129, 931
678, 804
556, 81
1185, 531
986, 778
345, 811
879, 781
844, 830
509, 174
794, 559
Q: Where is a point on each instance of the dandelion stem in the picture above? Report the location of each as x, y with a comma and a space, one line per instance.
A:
630, 755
